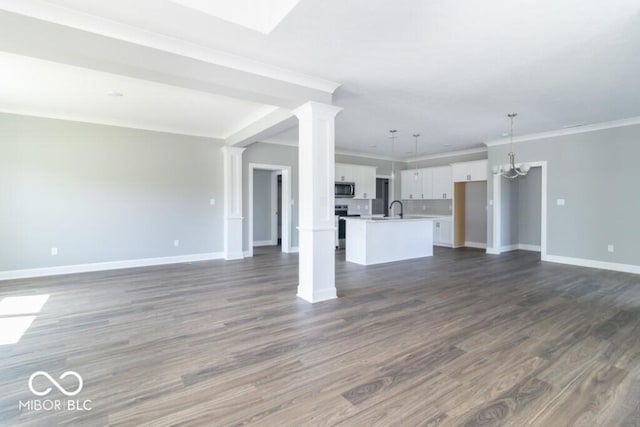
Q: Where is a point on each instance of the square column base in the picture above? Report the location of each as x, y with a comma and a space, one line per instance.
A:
317, 265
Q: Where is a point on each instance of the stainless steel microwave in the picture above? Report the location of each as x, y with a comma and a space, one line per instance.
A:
345, 189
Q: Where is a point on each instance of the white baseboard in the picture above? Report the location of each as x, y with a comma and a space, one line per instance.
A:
520, 247
493, 251
294, 250
603, 265
111, 265
475, 245
263, 243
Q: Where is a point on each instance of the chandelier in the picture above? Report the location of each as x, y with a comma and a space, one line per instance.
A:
510, 170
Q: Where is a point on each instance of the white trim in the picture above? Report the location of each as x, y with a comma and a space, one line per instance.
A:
286, 204
293, 250
520, 247
109, 28
110, 265
497, 195
276, 142
567, 131
274, 207
475, 245
110, 123
263, 243
603, 265
447, 154
365, 155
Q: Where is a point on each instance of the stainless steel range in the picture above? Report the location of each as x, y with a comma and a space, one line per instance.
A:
342, 211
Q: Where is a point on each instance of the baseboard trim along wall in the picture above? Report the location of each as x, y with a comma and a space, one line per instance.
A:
520, 247
475, 245
603, 265
264, 243
111, 265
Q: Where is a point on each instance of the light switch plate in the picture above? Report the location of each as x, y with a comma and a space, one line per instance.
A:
54, 251
176, 243
560, 202
610, 248
212, 202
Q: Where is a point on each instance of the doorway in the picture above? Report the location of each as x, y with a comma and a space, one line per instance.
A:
520, 212
380, 205
269, 213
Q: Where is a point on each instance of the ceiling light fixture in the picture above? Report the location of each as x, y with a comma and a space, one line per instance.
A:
416, 174
115, 94
510, 170
392, 135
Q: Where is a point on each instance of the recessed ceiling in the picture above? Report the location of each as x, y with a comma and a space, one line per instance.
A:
48, 89
258, 15
449, 70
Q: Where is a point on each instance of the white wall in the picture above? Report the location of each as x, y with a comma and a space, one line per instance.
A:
104, 193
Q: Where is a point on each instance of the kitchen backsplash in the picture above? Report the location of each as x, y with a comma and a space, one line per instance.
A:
356, 206
428, 207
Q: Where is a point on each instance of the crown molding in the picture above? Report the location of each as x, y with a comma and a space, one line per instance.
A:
276, 142
95, 24
113, 123
569, 131
367, 155
447, 154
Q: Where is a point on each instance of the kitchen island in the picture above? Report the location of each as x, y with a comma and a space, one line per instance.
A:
379, 240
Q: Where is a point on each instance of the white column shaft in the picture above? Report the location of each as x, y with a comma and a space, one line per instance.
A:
316, 164
233, 202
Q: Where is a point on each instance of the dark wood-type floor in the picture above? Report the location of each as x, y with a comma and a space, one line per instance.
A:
458, 339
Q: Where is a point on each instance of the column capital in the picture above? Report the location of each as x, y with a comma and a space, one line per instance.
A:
326, 110
228, 149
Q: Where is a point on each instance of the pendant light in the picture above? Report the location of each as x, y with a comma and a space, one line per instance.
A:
392, 135
510, 170
416, 174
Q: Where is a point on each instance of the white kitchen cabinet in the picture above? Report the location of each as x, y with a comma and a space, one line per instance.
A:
411, 184
442, 232
427, 183
442, 182
364, 178
365, 181
344, 173
470, 171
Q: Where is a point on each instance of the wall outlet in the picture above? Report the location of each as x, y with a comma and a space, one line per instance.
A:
424, 207
366, 208
176, 243
54, 251
560, 202
212, 202
610, 248
490, 202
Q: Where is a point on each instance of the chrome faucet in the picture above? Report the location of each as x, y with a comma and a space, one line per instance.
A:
401, 208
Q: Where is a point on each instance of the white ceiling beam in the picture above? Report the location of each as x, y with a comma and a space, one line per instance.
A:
157, 58
272, 124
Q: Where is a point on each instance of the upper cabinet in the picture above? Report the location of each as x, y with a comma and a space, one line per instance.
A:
411, 184
363, 177
470, 171
427, 183
442, 182
344, 173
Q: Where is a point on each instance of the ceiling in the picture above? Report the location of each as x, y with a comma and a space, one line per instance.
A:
49, 89
450, 71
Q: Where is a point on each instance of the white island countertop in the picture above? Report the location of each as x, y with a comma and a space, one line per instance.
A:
375, 240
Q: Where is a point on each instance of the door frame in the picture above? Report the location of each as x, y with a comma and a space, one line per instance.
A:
497, 216
286, 204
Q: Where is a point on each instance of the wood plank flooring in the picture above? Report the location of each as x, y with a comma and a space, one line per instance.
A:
460, 339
